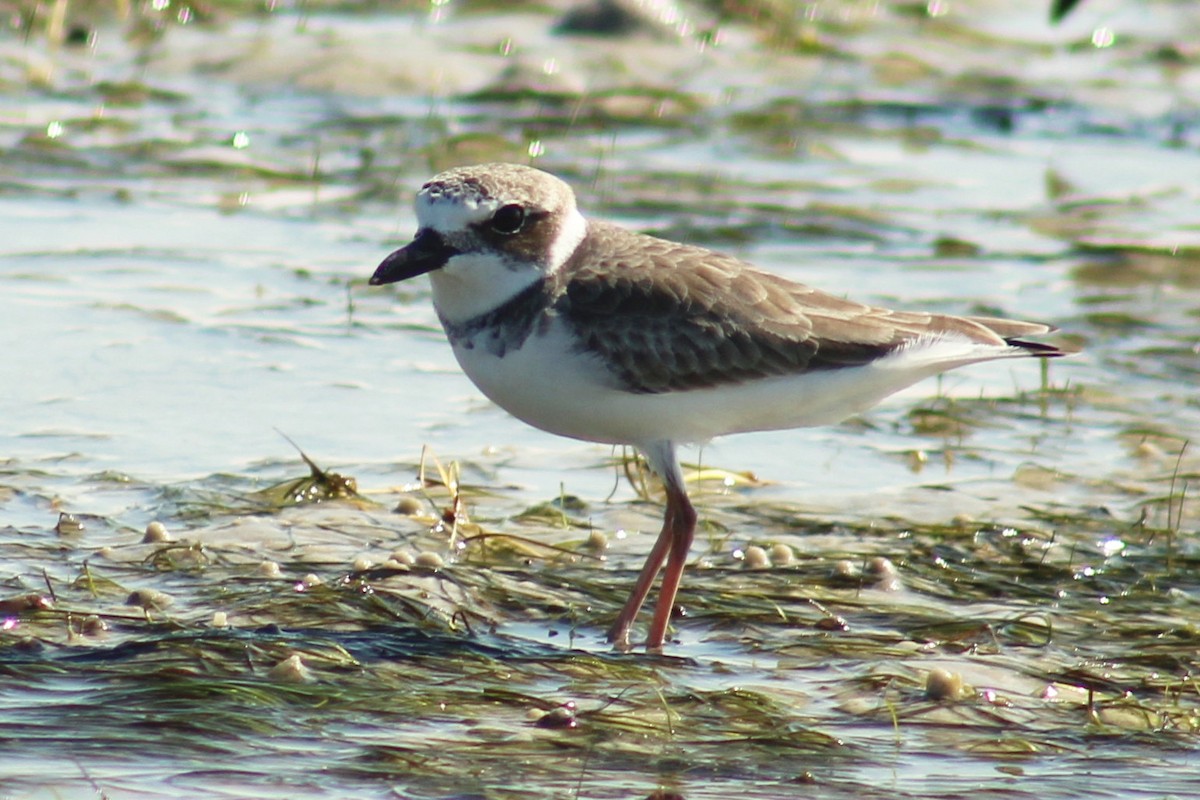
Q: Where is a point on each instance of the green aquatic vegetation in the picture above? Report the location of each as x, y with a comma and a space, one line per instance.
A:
318, 487
449, 673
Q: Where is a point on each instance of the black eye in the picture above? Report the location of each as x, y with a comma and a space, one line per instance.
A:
508, 219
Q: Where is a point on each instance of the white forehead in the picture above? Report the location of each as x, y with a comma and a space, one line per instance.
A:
458, 198
452, 212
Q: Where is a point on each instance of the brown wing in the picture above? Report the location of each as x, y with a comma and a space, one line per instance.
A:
667, 316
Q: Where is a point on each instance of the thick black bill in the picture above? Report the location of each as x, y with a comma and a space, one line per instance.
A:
425, 253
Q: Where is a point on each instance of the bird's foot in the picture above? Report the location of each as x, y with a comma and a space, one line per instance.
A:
618, 634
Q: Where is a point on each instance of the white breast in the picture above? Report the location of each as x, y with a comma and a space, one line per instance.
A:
552, 387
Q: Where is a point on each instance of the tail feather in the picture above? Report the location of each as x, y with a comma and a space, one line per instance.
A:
1014, 331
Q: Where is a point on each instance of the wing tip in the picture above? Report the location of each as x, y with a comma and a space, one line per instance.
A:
1042, 349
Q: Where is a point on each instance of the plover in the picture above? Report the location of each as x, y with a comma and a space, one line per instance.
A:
586, 329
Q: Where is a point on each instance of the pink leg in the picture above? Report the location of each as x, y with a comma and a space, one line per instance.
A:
674, 541
618, 634
681, 520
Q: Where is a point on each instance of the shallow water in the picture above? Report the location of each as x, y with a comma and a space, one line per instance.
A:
189, 213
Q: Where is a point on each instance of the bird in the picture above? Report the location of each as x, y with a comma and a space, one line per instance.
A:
589, 330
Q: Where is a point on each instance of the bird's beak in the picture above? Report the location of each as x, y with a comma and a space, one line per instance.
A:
425, 253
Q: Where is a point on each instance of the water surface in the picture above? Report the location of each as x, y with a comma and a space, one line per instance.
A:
190, 205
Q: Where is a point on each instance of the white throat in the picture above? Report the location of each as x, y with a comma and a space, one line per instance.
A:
476, 283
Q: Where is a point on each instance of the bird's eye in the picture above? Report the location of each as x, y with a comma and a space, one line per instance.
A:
508, 219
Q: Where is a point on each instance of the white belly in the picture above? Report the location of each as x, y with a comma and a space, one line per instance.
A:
551, 387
